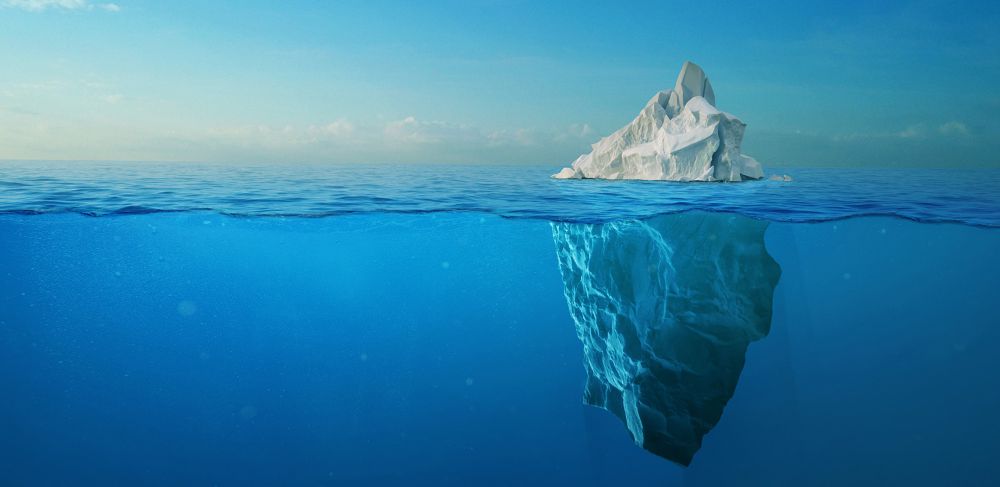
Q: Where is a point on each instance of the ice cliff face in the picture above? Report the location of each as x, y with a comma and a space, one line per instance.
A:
678, 136
665, 309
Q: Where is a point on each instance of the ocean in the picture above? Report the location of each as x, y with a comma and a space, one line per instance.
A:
213, 324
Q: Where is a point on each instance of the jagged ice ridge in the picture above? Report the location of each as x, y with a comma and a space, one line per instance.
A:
678, 136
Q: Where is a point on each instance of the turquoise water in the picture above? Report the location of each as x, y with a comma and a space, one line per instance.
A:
422, 326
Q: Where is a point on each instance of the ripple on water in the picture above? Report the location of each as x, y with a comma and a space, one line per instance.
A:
929, 195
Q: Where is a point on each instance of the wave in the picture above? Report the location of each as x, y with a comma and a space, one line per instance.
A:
969, 197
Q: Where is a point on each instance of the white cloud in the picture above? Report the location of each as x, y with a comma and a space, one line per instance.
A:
337, 128
338, 132
576, 131
915, 132
580, 129
953, 129
407, 139
411, 130
403, 134
911, 132
522, 137
39, 5
42, 5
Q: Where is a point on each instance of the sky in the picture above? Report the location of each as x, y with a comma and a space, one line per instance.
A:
853, 83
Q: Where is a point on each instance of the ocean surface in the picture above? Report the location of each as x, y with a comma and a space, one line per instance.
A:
197, 324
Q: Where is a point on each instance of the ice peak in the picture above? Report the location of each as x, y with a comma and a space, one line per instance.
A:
679, 136
691, 82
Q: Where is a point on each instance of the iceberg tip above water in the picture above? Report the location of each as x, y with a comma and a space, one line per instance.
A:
679, 136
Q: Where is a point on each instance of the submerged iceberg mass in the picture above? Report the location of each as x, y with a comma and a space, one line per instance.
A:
678, 136
666, 309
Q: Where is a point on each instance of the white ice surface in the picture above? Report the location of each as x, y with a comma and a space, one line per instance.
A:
678, 136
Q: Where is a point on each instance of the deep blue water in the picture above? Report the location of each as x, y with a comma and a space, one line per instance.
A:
415, 336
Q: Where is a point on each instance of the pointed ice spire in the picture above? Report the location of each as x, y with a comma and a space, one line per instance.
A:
690, 83
693, 82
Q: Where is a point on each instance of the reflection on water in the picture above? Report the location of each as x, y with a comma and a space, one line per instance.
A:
665, 309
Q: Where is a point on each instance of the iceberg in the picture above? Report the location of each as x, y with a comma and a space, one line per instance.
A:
666, 309
678, 136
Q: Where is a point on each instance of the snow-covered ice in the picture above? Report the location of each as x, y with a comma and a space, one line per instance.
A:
678, 136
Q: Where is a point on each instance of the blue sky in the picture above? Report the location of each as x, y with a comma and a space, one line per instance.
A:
845, 83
